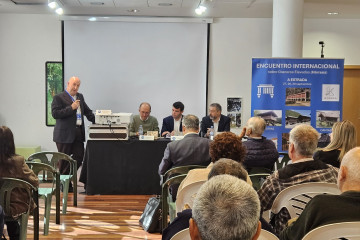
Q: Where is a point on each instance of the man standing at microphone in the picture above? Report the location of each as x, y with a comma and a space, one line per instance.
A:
69, 109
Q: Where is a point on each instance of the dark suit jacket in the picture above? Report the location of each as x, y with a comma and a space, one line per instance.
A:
224, 124
168, 124
191, 150
64, 131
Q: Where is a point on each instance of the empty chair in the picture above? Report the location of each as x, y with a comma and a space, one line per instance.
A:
182, 235
53, 158
295, 198
47, 192
187, 195
343, 230
167, 204
7, 185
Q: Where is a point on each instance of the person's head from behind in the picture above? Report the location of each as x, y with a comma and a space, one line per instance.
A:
230, 167
190, 124
303, 140
7, 145
73, 86
177, 110
144, 110
225, 207
255, 127
343, 137
214, 111
227, 145
349, 172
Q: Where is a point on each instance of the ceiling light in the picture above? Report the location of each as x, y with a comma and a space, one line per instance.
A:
133, 10
59, 11
97, 3
200, 10
52, 4
333, 13
92, 19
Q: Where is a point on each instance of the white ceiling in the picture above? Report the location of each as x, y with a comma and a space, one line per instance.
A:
182, 8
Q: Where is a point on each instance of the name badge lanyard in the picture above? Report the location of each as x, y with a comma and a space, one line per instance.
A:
78, 115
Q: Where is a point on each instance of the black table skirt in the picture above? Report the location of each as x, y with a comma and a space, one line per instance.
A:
122, 167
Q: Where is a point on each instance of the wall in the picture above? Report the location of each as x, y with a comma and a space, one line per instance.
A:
28, 41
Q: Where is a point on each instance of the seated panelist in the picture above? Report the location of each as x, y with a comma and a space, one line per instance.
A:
172, 125
221, 123
149, 123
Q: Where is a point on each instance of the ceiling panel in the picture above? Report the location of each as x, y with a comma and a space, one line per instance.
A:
97, 3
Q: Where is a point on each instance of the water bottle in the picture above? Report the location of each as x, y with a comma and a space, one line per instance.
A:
141, 130
212, 133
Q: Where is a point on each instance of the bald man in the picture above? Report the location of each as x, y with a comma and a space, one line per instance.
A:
69, 109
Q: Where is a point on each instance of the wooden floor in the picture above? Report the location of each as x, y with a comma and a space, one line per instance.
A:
97, 217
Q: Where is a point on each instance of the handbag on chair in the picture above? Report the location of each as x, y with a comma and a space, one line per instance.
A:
150, 219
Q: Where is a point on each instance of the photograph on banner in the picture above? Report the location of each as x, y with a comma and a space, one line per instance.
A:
290, 92
298, 97
297, 117
234, 111
271, 117
326, 119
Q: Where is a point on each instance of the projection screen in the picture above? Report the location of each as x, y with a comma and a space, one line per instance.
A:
121, 64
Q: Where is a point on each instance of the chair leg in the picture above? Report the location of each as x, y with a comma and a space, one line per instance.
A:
23, 226
47, 214
75, 189
65, 194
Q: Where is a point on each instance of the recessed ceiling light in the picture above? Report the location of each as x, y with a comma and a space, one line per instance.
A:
165, 4
97, 3
133, 10
92, 19
333, 13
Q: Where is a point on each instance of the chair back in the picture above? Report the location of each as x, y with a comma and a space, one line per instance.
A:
44, 172
7, 185
53, 158
282, 161
182, 235
187, 195
266, 235
295, 198
164, 197
258, 176
178, 170
343, 230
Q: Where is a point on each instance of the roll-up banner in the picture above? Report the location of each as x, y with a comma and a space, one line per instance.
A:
289, 92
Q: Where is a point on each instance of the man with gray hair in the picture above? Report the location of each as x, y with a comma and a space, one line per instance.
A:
260, 152
302, 145
191, 150
225, 207
326, 209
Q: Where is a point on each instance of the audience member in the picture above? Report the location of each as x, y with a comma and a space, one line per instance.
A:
14, 166
69, 109
303, 141
260, 152
148, 123
225, 145
221, 123
225, 208
326, 209
223, 166
172, 125
342, 139
191, 150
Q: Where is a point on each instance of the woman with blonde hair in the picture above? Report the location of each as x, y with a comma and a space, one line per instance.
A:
342, 139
